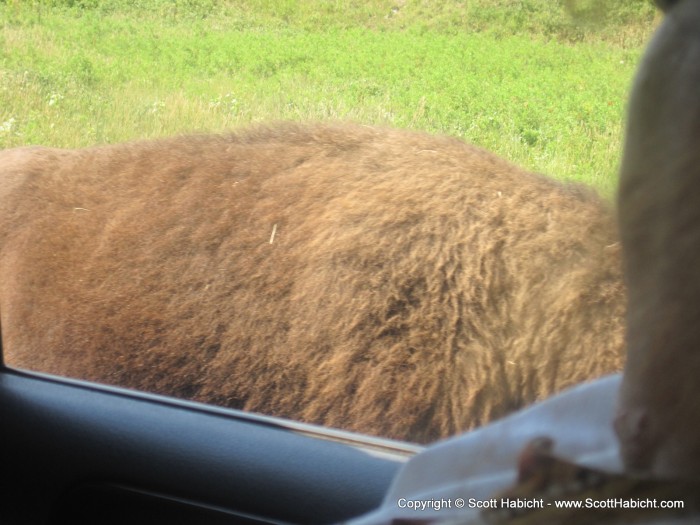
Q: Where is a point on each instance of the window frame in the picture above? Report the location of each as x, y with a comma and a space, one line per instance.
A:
74, 451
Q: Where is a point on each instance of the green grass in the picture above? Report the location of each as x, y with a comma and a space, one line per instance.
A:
538, 83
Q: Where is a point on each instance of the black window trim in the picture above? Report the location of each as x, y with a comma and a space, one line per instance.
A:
61, 436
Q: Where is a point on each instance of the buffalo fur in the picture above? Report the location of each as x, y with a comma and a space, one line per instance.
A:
414, 286
659, 210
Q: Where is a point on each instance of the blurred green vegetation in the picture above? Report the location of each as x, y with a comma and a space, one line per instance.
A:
540, 82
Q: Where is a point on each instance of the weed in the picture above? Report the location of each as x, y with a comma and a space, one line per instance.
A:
539, 82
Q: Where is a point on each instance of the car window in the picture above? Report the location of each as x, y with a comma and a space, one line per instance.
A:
397, 283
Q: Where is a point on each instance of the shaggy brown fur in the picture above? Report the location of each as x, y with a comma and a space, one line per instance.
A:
415, 287
659, 202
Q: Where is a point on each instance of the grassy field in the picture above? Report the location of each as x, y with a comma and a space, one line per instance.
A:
541, 82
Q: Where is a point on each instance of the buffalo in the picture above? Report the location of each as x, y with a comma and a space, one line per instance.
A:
376, 280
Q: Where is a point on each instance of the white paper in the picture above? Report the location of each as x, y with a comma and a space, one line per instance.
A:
474, 466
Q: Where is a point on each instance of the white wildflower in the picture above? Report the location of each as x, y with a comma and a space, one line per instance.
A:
55, 98
8, 126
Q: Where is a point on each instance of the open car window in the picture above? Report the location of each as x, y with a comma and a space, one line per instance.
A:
360, 277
